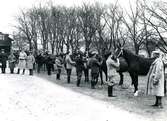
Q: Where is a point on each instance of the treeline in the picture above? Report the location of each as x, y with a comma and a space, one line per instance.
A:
99, 26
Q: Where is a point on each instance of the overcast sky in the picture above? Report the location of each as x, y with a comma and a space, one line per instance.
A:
10, 8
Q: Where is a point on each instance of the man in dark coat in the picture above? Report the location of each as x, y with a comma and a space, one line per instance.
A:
79, 67
3, 59
39, 60
94, 64
49, 63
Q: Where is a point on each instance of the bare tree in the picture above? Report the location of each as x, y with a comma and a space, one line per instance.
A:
158, 22
87, 21
113, 17
26, 26
135, 28
43, 26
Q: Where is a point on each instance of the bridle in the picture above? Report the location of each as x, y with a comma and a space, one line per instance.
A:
120, 53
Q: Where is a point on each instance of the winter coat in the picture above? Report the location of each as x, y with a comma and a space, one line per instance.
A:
3, 59
69, 62
112, 67
58, 63
94, 64
22, 60
30, 61
155, 84
12, 61
79, 64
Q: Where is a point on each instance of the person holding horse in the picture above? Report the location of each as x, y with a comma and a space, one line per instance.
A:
112, 66
155, 84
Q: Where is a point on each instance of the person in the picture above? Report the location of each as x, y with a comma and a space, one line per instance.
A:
79, 67
59, 65
49, 63
69, 65
164, 59
155, 84
112, 66
30, 62
12, 62
22, 61
86, 69
3, 59
39, 61
94, 65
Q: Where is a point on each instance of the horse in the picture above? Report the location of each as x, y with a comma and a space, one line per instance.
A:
136, 65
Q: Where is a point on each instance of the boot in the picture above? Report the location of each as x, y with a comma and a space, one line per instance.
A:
23, 71
92, 85
110, 91
160, 102
156, 102
18, 71
78, 83
31, 72
58, 76
68, 79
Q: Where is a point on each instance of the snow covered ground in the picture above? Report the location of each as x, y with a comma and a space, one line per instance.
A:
30, 98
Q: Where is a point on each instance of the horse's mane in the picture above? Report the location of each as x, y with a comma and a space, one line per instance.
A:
129, 55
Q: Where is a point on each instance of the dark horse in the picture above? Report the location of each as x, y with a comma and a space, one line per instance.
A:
103, 68
136, 65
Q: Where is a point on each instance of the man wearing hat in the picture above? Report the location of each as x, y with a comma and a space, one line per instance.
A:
3, 57
94, 64
69, 65
30, 62
155, 84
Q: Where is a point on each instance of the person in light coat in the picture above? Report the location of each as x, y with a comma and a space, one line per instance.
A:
59, 66
69, 65
22, 61
30, 62
112, 66
155, 84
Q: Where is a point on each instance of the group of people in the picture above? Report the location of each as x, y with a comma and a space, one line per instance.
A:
24, 61
82, 63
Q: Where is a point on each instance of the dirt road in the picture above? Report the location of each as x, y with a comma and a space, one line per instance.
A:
30, 98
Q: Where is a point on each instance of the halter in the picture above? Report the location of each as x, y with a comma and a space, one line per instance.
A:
120, 53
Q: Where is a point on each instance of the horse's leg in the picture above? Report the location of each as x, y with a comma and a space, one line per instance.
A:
96, 80
101, 76
165, 87
136, 85
121, 78
104, 69
134, 78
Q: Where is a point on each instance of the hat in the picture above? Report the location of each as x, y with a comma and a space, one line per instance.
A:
157, 52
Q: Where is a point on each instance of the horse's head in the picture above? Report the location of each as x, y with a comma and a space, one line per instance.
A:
118, 52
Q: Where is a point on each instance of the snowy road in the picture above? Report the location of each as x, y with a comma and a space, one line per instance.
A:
30, 98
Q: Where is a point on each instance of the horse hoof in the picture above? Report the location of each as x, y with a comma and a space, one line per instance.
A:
136, 93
